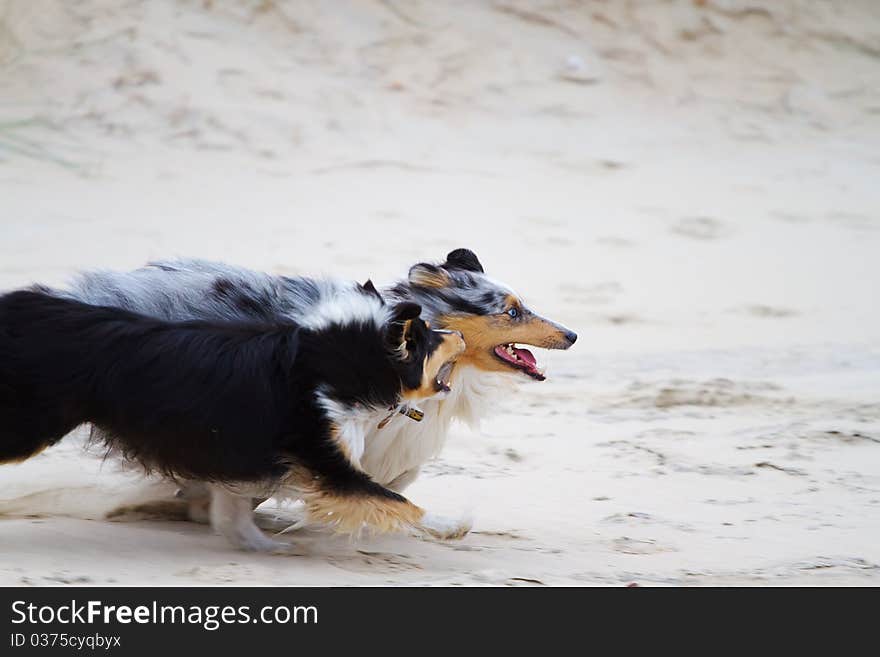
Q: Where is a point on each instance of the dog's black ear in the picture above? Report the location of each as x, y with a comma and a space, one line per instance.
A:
369, 288
426, 275
463, 259
405, 310
401, 326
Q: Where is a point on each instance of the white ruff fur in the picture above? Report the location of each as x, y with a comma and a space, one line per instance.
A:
352, 424
404, 444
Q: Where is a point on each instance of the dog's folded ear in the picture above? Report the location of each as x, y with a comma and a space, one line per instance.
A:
400, 325
427, 275
463, 259
405, 310
369, 288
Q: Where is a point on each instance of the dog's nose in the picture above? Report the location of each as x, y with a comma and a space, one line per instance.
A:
571, 336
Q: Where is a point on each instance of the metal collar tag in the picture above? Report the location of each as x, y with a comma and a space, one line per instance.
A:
409, 411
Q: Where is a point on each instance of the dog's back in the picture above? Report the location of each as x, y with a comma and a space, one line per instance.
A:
166, 386
179, 290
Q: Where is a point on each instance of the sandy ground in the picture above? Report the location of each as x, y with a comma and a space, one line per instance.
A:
692, 186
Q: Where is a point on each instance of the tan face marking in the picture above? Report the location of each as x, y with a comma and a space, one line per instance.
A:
482, 333
450, 348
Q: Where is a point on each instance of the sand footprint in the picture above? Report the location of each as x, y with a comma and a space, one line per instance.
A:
627, 545
700, 228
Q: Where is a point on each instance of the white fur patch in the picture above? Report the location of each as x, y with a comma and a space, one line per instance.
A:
352, 426
446, 528
347, 309
403, 444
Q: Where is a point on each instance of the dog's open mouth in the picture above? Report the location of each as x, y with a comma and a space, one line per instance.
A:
441, 383
521, 359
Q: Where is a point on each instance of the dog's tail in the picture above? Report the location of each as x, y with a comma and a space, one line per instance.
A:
20, 438
29, 422
352, 502
22, 432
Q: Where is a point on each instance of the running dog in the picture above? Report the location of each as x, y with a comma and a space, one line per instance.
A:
256, 408
455, 295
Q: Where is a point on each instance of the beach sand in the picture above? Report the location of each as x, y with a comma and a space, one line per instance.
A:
691, 186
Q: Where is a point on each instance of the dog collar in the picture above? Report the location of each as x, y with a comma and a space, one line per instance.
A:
411, 412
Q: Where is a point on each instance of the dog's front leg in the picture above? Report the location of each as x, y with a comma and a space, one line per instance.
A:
401, 481
436, 526
232, 515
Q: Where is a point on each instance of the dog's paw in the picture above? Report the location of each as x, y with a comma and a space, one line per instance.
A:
282, 549
249, 538
445, 528
259, 542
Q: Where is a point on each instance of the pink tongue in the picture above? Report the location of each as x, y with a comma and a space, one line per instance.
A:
526, 356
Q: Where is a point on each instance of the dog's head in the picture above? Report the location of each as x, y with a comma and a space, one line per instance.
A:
457, 295
423, 357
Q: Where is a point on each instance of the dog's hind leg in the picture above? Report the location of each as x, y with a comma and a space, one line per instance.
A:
197, 496
232, 516
191, 501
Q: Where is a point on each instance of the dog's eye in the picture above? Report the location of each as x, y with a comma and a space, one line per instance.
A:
513, 312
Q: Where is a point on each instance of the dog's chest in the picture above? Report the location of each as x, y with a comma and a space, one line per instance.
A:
403, 444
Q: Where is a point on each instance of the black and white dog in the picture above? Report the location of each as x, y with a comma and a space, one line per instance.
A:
455, 295
255, 408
